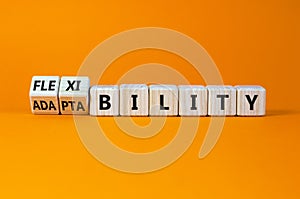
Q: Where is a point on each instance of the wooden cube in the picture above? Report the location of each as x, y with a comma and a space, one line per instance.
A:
44, 94
104, 100
134, 99
74, 95
192, 100
251, 100
221, 100
163, 100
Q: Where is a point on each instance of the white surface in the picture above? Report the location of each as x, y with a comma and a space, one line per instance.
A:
214, 103
126, 101
48, 96
79, 95
112, 91
243, 105
185, 100
170, 93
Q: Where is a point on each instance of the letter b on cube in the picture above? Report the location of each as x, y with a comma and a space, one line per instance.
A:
104, 100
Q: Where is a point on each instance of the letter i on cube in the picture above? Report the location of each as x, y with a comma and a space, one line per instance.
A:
133, 100
74, 95
192, 100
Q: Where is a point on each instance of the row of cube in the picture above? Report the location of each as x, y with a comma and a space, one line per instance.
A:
73, 95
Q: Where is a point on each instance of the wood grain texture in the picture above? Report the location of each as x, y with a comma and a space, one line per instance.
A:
43, 94
251, 100
166, 95
134, 99
74, 95
221, 100
192, 100
110, 99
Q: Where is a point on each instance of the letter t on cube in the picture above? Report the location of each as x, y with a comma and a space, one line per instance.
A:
221, 100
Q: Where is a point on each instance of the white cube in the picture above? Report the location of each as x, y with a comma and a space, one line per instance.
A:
44, 94
74, 95
192, 100
133, 99
163, 100
221, 100
104, 100
251, 100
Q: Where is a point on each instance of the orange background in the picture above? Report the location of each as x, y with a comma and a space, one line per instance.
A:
252, 42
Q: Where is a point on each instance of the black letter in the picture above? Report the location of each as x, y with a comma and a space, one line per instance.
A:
51, 84
72, 104
64, 104
77, 86
42, 87
222, 100
36, 105
104, 99
134, 107
51, 105
251, 102
193, 107
35, 84
80, 106
44, 105
162, 103
70, 86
